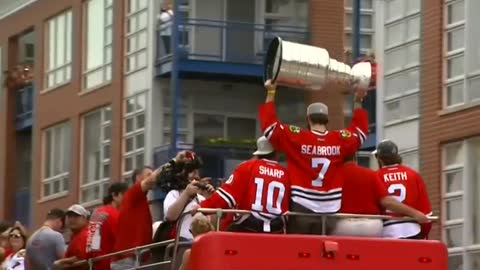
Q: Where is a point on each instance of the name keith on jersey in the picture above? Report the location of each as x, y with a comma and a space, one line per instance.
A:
271, 172
317, 150
395, 176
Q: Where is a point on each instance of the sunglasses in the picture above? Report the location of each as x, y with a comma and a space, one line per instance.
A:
15, 236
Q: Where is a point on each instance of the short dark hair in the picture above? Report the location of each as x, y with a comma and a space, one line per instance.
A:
113, 190
139, 171
390, 159
268, 156
318, 118
56, 213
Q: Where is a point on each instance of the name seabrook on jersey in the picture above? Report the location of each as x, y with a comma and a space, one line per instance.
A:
316, 150
271, 172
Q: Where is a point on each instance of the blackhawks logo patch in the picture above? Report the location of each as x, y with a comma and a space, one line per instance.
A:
294, 129
345, 134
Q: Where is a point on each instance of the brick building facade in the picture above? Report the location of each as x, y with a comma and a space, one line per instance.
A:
90, 118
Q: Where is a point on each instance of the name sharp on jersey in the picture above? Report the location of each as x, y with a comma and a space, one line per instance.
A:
316, 150
271, 172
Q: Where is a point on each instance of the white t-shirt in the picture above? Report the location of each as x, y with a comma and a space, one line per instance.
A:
166, 22
171, 198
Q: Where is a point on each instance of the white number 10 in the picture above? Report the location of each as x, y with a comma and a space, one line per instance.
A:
272, 207
325, 163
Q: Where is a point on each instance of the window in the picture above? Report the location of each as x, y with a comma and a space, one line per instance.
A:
58, 50
96, 146
136, 35
366, 21
403, 108
402, 83
208, 126
134, 132
286, 12
397, 9
462, 68
402, 57
365, 41
212, 126
461, 205
402, 32
401, 61
99, 35
56, 155
364, 4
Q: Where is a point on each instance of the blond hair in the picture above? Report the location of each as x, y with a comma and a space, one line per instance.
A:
201, 224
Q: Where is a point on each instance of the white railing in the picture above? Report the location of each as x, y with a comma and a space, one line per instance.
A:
139, 251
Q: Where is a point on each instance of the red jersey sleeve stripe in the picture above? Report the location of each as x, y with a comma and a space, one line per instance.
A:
227, 197
269, 130
362, 135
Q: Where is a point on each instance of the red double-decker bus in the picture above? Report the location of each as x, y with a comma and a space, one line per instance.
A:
241, 251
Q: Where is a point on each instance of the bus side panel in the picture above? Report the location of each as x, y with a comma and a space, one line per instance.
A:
238, 251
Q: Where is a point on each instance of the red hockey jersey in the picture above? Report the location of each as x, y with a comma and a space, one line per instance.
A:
408, 187
262, 186
314, 158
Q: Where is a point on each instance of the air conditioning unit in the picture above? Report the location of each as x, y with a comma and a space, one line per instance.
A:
366, 159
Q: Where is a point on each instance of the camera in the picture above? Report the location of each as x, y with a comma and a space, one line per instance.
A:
174, 174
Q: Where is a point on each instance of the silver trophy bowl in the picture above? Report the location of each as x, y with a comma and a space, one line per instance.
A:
307, 67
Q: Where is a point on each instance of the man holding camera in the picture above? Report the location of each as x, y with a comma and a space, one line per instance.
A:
186, 193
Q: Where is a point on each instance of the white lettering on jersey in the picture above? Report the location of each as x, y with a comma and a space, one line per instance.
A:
316, 150
271, 172
395, 176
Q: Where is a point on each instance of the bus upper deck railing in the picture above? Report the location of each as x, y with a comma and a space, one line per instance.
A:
138, 251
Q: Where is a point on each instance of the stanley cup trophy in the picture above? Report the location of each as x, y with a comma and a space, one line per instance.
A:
302, 66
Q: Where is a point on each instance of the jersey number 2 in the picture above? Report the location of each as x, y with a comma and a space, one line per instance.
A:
399, 189
272, 207
325, 163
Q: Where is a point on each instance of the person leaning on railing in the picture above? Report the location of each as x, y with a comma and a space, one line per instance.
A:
408, 186
77, 222
365, 194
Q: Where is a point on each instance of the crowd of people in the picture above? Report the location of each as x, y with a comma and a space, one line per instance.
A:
321, 177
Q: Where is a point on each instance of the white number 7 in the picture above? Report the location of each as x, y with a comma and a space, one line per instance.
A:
325, 162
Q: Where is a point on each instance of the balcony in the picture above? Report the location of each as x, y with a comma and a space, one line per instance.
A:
221, 47
24, 115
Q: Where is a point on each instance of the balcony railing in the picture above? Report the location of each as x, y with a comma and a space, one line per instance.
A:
224, 41
24, 107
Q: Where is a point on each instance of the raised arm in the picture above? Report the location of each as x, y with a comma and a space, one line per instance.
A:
271, 126
357, 133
